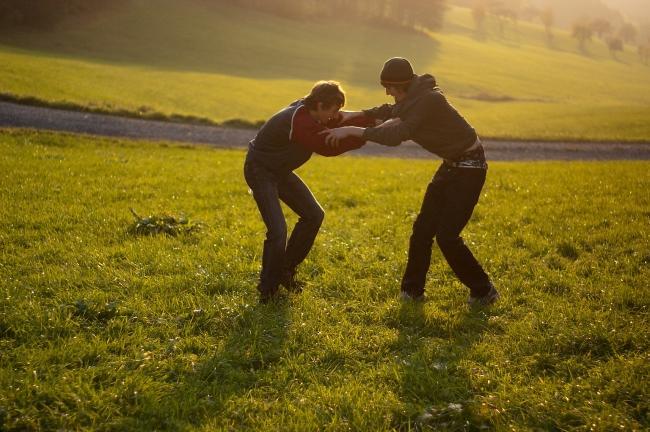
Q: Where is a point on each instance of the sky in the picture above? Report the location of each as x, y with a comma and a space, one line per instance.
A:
635, 10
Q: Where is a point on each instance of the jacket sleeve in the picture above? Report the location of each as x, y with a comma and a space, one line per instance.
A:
305, 132
394, 135
382, 112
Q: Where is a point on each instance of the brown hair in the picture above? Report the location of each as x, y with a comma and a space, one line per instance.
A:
327, 92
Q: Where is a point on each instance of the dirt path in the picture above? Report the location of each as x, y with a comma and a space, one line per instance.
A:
23, 116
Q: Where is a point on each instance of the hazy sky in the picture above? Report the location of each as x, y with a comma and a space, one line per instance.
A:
637, 10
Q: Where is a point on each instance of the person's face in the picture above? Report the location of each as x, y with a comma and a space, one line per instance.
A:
325, 114
397, 93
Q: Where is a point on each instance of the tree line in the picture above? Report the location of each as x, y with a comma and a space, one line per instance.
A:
614, 31
411, 14
44, 14
614, 36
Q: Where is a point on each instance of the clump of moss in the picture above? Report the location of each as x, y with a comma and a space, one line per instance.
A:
162, 224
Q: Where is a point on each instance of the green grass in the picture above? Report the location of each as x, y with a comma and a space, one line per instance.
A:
219, 63
100, 329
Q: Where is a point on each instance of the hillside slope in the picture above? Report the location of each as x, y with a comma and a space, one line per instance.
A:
222, 63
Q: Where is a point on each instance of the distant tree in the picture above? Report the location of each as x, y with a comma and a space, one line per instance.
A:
530, 12
614, 44
582, 32
628, 33
503, 14
601, 27
644, 52
514, 16
644, 32
479, 13
548, 19
418, 13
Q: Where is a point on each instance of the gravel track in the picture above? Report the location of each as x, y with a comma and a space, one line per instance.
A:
24, 116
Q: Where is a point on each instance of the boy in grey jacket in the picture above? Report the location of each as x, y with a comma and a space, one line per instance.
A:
422, 113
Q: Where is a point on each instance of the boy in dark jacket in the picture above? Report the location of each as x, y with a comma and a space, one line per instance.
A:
422, 113
284, 143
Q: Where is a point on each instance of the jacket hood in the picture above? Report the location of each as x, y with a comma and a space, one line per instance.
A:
421, 85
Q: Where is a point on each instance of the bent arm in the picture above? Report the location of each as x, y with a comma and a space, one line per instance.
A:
394, 133
382, 112
349, 143
305, 132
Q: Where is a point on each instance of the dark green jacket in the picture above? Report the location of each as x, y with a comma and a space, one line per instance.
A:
427, 118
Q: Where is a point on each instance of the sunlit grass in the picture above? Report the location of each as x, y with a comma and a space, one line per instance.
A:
223, 63
103, 330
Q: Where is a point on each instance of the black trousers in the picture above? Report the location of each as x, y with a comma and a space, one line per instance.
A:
447, 207
268, 189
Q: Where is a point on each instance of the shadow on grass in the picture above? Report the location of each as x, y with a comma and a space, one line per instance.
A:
435, 389
200, 395
212, 44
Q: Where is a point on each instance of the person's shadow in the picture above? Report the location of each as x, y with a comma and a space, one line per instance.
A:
430, 347
233, 350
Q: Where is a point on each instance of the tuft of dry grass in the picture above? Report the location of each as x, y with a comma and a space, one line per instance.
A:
163, 224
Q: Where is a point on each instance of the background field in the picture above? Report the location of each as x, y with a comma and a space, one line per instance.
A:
101, 329
220, 63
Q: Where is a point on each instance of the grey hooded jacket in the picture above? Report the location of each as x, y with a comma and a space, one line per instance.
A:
427, 118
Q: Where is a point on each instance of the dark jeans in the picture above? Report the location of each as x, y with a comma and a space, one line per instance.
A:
448, 204
268, 189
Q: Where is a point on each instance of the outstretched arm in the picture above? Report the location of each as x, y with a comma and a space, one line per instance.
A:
306, 132
333, 137
390, 133
382, 112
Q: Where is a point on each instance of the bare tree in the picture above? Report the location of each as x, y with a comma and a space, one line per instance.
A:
628, 33
548, 19
530, 12
418, 13
503, 14
644, 52
601, 27
582, 32
614, 44
479, 13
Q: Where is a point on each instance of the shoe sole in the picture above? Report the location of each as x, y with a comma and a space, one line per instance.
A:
484, 301
409, 298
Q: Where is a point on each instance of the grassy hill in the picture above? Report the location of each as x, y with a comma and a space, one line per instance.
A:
196, 59
101, 329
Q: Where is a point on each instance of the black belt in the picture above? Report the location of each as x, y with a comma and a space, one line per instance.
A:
474, 158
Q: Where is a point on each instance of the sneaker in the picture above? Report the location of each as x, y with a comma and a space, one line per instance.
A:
486, 300
405, 297
290, 282
267, 296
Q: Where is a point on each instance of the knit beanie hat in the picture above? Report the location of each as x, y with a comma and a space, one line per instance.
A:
396, 70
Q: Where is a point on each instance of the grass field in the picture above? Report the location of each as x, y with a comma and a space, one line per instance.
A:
193, 59
100, 329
